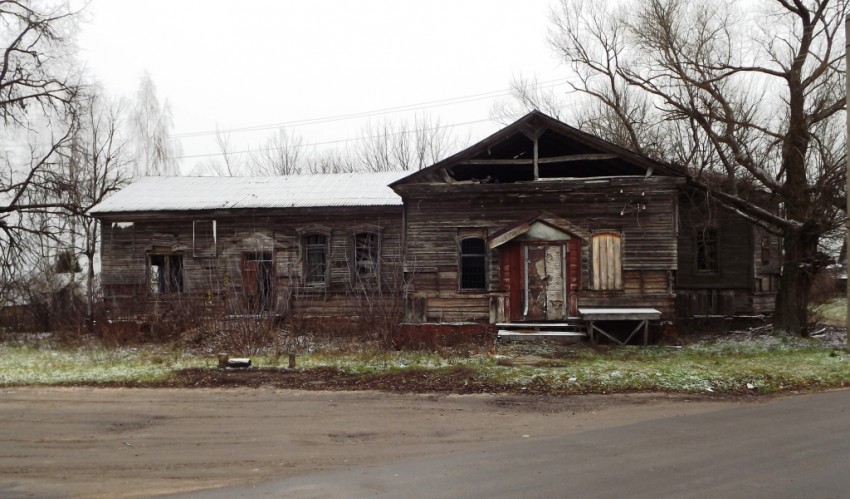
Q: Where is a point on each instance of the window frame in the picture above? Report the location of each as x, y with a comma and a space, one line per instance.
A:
306, 247
765, 251
700, 248
210, 249
464, 257
169, 285
360, 273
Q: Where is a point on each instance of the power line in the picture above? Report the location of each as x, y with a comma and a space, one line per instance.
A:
338, 141
364, 114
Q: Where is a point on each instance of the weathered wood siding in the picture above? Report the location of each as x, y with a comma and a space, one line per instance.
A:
748, 263
213, 279
438, 215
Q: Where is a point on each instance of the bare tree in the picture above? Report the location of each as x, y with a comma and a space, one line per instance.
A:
528, 94
226, 163
37, 88
747, 93
282, 154
96, 166
155, 151
390, 146
330, 161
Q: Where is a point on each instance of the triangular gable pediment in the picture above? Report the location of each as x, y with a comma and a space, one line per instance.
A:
545, 226
537, 147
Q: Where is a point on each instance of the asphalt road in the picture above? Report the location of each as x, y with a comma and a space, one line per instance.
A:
797, 446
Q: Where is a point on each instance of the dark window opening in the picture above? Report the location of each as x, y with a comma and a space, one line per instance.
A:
473, 263
765, 250
493, 174
165, 273
315, 259
258, 281
366, 255
707, 250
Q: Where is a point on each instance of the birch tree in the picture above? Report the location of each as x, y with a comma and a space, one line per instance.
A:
154, 150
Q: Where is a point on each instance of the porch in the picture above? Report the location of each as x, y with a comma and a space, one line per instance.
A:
591, 323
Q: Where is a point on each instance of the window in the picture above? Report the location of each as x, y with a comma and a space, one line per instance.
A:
204, 238
367, 252
315, 259
607, 261
165, 273
473, 263
707, 250
765, 250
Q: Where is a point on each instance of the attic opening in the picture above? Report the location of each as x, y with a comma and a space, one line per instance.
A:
518, 158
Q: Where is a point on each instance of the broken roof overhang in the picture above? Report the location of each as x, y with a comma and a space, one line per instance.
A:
563, 152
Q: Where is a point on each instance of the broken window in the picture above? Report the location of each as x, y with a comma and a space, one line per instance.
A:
366, 255
165, 273
606, 250
315, 259
707, 250
473, 263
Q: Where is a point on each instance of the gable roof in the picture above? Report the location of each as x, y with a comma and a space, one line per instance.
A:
517, 229
290, 191
564, 151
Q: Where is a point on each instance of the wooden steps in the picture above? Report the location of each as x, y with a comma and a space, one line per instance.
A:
572, 330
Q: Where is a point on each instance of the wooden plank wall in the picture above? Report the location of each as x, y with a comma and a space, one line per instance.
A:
216, 279
744, 284
436, 217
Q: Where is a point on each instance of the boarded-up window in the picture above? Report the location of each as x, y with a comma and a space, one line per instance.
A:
165, 273
315, 259
707, 250
473, 263
366, 256
607, 261
203, 238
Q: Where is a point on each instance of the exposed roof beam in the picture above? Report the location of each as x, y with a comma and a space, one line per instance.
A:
552, 159
577, 157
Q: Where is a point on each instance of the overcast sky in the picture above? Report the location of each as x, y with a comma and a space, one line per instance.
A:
232, 64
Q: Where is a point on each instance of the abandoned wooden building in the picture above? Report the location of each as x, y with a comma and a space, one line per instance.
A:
538, 224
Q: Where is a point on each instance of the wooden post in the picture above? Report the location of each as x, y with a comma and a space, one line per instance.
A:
536, 168
292, 361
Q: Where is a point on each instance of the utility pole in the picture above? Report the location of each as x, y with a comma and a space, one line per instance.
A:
847, 159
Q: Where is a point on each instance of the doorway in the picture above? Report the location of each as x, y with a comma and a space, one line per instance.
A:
546, 281
258, 281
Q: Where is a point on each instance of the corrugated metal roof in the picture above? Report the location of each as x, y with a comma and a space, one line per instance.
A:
291, 191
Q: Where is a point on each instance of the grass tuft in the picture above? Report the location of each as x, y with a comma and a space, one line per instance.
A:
724, 364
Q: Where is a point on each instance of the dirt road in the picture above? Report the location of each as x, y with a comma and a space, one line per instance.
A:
94, 442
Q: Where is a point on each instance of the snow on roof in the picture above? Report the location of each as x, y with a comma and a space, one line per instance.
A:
291, 191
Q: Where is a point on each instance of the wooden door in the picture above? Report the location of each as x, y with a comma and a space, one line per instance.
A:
546, 282
258, 281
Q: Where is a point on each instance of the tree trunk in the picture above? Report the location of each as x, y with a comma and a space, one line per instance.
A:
799, 267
